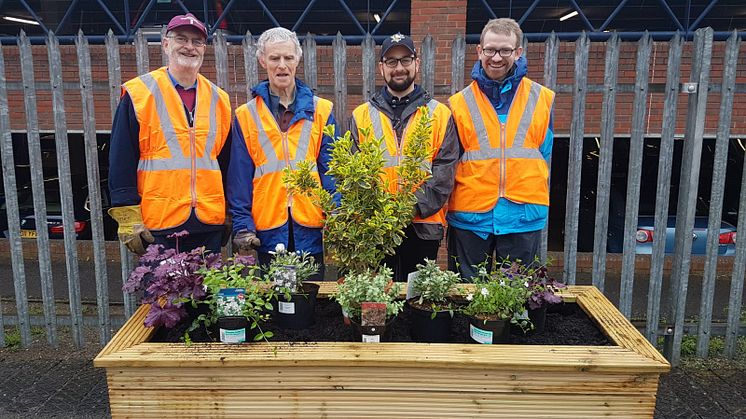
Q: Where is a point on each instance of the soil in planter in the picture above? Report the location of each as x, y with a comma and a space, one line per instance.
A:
567, 326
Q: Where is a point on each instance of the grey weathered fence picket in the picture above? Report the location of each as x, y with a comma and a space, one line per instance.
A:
697, 88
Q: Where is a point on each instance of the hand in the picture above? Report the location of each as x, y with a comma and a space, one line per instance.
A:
246, 240
132, 230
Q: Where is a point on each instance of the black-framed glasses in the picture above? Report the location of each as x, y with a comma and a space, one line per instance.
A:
393, 62
183, 40
504, 52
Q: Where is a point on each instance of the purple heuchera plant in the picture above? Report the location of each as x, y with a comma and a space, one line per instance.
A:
543, 287
169, 280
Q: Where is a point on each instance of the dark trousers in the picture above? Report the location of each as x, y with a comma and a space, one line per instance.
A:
412, 251
210, 239
466, 249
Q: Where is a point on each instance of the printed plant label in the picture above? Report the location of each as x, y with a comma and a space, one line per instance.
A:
286, 308
231, 302
233, 336
480, 335
371, 338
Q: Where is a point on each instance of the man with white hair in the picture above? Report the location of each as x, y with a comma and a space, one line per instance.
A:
281, 125
168, 132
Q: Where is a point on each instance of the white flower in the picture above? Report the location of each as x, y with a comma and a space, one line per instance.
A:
485, 292
525, 284
502, 283
280, 248
469, 297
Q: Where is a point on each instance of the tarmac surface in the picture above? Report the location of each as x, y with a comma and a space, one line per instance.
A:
62, 383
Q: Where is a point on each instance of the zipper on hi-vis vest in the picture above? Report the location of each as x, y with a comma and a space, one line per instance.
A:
193, 151
286, 152
503, 170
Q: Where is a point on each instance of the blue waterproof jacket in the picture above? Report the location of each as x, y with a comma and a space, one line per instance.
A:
506, 216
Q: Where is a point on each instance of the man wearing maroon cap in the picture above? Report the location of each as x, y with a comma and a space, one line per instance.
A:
167, 138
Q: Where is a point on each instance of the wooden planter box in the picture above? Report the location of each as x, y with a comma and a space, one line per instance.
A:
346, 379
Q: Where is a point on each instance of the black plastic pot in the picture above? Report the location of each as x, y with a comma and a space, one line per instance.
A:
489, 331
298, 312
372, 333
425, 328
233, 329
538, 318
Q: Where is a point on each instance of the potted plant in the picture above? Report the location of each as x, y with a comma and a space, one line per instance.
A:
296, 299
432, 310
238, 301
499, 300
359, 288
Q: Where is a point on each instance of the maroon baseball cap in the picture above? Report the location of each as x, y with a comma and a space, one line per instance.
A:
186, 20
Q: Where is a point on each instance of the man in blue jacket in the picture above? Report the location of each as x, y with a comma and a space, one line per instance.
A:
281, 125
500, 199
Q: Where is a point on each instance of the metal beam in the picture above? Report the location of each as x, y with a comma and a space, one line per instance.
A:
344, 5
489, 9
612, 16
670, 14
34, 15
269, 14
385, 15
111, 16
222, 16
702, 15
142, 16
66, 16
582, 16
528, 12
183, 7
303, 15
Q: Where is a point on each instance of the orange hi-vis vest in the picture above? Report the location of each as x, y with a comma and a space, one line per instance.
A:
272, 151
501, 160
178, 168
367, 116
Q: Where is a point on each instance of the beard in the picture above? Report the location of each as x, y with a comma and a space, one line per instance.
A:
193, 63
400, 86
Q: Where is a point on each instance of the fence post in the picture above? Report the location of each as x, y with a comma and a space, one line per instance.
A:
637, 141
665, 159
605, 156
141, 53
739, 265
550, 81
369, 67
115, 89
695, 126
309, 62
249, 60
14, 221
221, 59
458, 54
37, 175
716, 194
340, 81
94, 186
164, 57
575, 158
428, 65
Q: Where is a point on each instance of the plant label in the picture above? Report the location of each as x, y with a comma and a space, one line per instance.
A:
231, 302
410, 285
373, 314
480, 335
371, 338
286, 308
233, 336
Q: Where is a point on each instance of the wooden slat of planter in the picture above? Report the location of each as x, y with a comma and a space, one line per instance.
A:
132, 333
390, 378
208, 402
615, 325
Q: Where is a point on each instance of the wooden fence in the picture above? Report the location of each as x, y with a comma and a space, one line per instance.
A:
696, 87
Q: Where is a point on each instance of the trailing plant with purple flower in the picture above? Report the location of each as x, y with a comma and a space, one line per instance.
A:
543, 287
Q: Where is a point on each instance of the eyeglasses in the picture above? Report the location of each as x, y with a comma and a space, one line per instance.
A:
393, 62
504, 52
183, 40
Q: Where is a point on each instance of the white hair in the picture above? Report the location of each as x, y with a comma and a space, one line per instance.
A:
275, 35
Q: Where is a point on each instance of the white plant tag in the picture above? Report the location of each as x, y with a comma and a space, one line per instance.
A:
286, 308
480, 335
410, 285
233, 336
371, 338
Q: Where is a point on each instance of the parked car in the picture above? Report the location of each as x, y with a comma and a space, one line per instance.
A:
81, 210
644, 236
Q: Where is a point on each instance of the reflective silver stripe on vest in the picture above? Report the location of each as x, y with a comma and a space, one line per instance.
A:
375, 118
178, 161
274, 164
486, 151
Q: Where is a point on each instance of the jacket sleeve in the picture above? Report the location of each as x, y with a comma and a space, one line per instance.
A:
546, 146
124, 154
325, 156
240, 181
435, 191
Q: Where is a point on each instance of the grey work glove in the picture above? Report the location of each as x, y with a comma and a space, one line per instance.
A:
246, 240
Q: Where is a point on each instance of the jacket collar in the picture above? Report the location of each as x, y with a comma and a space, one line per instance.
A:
493, 88
304, 108
417, 98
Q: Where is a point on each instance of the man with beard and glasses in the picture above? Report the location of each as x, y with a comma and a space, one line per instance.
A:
281, 125
393, 113
500, 200
167, 139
